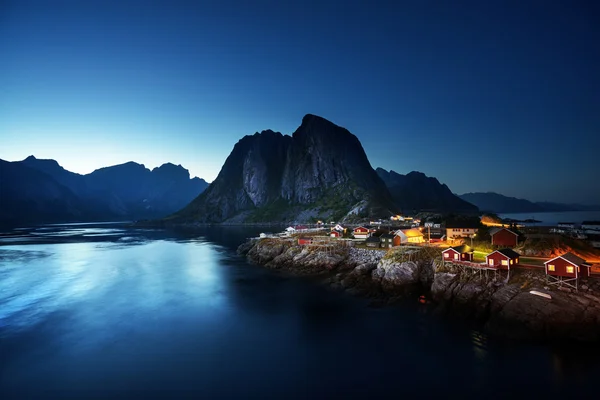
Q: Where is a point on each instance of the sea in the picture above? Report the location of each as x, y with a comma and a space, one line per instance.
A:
553, 218
105, 311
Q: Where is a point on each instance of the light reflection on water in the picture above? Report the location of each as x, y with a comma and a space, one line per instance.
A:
150, 311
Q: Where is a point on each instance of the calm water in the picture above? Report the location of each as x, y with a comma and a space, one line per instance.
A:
553, 218
108, 312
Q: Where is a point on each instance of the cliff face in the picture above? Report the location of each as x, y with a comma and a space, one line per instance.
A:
320, 171
416, 191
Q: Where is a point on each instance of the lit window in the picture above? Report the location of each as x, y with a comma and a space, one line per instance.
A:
551, 267
491, 262
570, 270
446, 255
511, 262
456, 256
504, 262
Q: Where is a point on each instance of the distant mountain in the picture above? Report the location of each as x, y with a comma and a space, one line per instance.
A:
500, 204
416, 191
27, 195
43, 191
321, 171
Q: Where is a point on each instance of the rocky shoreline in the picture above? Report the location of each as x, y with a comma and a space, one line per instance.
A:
502, 304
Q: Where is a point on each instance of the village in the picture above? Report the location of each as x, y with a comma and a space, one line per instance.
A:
455, 241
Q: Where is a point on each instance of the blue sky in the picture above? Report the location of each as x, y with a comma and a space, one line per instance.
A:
486, 96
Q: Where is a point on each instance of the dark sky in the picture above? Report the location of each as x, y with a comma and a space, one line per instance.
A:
484, 95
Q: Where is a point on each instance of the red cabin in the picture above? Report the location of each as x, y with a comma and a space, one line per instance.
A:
361, 232
502, 259
304, 240
504, 237
458, 253
568, 265
334, 234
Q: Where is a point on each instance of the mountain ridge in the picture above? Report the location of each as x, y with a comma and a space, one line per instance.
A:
123, 191
501, 204
417, 191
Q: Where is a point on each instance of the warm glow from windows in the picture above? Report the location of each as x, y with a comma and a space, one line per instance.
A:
551, 268
570, 270
456, 256
446, 255
491, 262
504, 262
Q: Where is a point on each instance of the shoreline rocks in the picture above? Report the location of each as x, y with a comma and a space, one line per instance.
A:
502, 304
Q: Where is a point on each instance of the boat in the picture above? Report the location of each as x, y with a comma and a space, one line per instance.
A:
545, 295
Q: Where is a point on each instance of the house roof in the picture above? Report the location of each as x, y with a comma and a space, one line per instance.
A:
460, 249
361, 227
570, 257
387, 236
373, 239
510, 253
411, 232
493, 231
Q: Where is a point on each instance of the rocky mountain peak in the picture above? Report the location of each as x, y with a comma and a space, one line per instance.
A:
321, 167
172, 171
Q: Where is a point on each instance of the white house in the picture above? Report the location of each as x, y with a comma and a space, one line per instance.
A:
462, 232
290, 229
338, 228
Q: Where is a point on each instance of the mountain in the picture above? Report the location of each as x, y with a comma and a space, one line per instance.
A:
43, 191
320, 171
417, 191
27, 195
497, 203
500, 204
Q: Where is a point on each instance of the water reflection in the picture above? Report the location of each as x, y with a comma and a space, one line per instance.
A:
149, 310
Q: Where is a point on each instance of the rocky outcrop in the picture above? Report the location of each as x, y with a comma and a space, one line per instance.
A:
287, 255
357, 270
507, 308
502, 304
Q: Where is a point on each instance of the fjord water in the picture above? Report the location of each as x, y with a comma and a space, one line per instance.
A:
553, 218
111, 312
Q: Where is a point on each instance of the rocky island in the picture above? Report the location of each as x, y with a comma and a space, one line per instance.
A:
504, 305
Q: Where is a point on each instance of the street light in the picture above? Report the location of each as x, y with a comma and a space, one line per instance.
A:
472, 236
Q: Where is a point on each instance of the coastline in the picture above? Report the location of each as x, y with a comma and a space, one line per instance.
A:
503, 305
